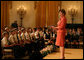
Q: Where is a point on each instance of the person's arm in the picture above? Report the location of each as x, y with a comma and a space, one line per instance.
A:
55, 28
11, 41
4, 42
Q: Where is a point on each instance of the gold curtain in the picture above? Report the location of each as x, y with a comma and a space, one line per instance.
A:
5, 6
47, 13
40, 13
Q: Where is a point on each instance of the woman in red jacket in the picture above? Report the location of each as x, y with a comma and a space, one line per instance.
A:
61, 32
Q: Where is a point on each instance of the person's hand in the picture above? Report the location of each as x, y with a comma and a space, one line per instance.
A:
52, 27
56, 28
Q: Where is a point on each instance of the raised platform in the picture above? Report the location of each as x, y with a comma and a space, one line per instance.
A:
69, 54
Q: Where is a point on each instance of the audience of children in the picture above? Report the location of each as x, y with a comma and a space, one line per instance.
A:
29, 40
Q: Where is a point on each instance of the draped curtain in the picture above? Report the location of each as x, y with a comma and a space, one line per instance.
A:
5, 6
47, 12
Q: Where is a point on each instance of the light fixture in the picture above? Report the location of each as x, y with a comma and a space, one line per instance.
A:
21, 11
72, 12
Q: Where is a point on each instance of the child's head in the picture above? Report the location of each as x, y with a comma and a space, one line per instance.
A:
70, 30
34, 29
23, 30
12, 31
5, 34
38, 29
19, 27
73, 31
30, 30
16, 31
7, 29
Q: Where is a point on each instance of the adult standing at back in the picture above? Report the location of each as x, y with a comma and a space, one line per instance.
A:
14, 25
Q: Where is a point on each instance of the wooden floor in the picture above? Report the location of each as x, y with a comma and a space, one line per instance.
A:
69, 54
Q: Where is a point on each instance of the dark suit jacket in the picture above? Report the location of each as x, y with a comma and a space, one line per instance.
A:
14, 25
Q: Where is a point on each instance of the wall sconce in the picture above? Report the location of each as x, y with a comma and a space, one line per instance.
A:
21, 11
72, 12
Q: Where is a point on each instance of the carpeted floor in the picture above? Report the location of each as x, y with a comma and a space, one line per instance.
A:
69, 54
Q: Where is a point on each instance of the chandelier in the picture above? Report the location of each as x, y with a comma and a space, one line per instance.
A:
72, 12
21, 11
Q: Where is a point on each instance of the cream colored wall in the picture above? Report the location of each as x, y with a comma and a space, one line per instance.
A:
75, 4
29, 19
